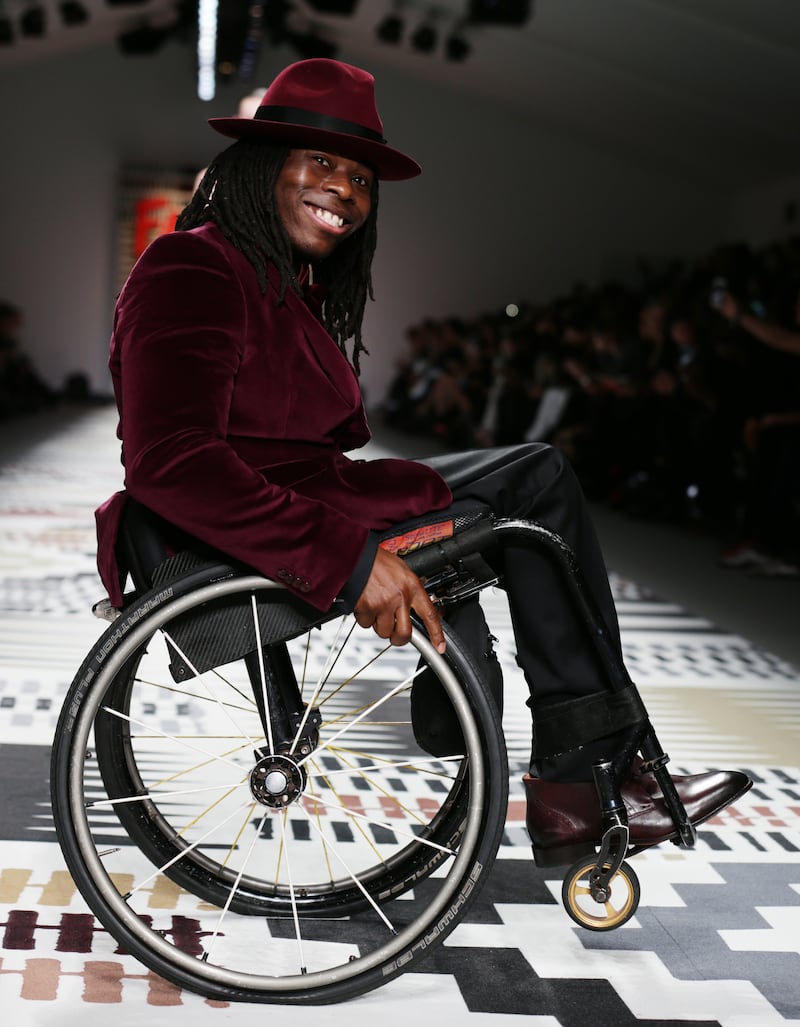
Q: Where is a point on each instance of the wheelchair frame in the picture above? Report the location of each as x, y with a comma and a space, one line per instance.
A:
275, 884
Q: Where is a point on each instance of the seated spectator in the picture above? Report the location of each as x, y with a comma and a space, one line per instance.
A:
22, 391
771, 439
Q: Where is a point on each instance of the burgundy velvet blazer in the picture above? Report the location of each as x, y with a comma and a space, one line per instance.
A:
236, 409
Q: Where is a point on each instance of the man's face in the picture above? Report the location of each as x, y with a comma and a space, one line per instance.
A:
321, 199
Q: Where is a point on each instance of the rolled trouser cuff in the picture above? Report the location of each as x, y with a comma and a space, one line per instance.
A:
570, 724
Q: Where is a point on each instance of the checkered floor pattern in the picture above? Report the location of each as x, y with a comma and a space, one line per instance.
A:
716, 939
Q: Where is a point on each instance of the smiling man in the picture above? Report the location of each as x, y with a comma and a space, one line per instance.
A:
238, 402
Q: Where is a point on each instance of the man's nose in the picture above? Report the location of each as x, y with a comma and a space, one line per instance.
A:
339, 183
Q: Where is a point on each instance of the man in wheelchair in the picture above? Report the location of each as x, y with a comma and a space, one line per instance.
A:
238, 402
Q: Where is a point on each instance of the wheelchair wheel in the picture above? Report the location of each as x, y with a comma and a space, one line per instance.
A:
245, 869
618, 907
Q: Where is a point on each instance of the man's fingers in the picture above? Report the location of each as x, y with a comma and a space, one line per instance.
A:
402, 626
391, 592
363, 619
433, 622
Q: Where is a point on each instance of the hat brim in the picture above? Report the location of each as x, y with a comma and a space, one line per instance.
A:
389, 164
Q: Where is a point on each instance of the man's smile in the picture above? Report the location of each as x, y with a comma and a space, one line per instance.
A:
328, 217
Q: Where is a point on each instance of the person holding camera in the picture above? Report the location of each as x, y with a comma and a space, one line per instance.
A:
771, 333
770, 439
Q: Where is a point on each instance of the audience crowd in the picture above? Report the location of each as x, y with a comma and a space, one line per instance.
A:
22, 391
678, 399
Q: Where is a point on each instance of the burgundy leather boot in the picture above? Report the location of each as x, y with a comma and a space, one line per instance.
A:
565, 823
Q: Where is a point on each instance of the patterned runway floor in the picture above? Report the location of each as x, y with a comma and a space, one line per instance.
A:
716, 939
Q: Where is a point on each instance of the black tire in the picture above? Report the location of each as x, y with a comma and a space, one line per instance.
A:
317, 901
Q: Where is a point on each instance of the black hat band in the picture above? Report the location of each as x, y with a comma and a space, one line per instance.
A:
311, 119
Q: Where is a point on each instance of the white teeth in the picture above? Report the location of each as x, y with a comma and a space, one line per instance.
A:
330, 218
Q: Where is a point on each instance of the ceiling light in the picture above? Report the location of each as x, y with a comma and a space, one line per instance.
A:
499, 12
251, 47
73, 12
390, 29
456, 47
425, 38
333, 6
32, 21
207, 49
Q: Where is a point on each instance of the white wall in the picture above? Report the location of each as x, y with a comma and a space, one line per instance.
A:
505, 210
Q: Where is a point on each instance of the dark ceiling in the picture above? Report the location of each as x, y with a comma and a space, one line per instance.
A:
707, 88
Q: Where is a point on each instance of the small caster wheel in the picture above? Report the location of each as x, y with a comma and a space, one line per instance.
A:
601, 913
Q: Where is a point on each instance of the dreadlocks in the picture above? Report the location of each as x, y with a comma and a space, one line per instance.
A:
237, 193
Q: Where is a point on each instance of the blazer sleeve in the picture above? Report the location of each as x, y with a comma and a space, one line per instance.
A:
176, 352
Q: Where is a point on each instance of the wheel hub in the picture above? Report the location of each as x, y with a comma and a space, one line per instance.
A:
277, 781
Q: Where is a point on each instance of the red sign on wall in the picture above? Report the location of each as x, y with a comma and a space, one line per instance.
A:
150, 201
153, 216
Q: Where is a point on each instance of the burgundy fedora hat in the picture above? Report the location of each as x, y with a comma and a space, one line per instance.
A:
320, 102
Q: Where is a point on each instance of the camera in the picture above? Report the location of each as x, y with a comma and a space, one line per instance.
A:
719, 287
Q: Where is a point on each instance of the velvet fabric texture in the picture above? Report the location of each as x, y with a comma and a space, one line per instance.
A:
236, 411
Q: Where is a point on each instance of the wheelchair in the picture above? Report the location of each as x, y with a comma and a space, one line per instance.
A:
242, 795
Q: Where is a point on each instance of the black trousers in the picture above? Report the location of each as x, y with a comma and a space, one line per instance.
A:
535, 482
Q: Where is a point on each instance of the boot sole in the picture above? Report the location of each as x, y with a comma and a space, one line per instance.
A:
562, 854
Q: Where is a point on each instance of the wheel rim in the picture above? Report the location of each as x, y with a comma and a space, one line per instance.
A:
200, 796
617, 909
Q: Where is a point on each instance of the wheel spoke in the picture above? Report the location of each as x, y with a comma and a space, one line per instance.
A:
292, 896
334, 850
202, 679
335, 651
382, 823
184, 693
215, 757
224, 911
357, 720
373, 782
418, 763
356, 823
182, 853
354, 676
153, 795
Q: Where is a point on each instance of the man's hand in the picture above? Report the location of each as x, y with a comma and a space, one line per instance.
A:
729, 307
391, 592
